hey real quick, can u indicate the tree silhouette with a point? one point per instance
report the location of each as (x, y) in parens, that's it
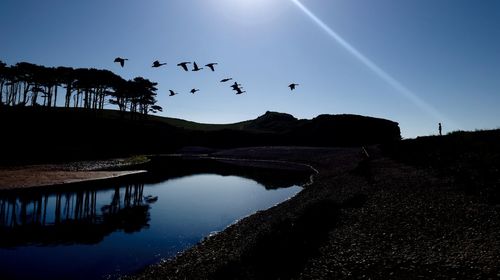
(67, 78)
(3, 80)
(24, 83)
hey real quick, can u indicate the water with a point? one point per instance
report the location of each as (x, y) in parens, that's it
(118, 227)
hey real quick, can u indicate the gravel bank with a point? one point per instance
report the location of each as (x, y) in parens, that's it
(360, 219)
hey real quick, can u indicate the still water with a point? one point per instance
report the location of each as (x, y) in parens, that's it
(101, 232)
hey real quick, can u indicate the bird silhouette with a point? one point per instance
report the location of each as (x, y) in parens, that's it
(184, 65)
(195, 67)
(292, 86)
(239, 91)
(157, 64)
(211, 66)
(235, 85)
(194, 90)
(226, 80)
(172, 93)
(120, 60)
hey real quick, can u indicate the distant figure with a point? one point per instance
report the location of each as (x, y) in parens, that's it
(195, 67)
(157, 64)
(226, 80)
(440, 128)
(184, 65)
(292, 86)
(211, 66)
(194, 90)
(120, 60)
(172, 93)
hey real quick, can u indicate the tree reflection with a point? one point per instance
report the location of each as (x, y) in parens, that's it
(70, 217)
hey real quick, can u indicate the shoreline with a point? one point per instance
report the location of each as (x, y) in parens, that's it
(57, 175)
(24, 179)
(376, 218)
(359, 218)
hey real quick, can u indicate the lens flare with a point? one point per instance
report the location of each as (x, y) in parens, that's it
(407, 93)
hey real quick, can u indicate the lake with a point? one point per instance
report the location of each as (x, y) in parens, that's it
(107, 229)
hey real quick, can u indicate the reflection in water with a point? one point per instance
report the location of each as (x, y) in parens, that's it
(70, 217)
(115, 227)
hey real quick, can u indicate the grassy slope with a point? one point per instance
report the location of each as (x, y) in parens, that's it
(471, 158)
(49, 133)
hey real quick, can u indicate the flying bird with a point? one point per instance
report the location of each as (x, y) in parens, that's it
(195, 67)
(292, 86)
(172, 93)
(184, 65)
(226, 80)
(239, 91)
(120, 60)
(235, 85)
(194, 90)
(157, 64)
(211, 66)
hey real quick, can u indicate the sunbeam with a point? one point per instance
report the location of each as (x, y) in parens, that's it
(374, 67)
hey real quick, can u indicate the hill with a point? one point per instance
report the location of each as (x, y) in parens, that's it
(61, 133)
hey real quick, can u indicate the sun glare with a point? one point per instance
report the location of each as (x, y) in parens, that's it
(248, 7)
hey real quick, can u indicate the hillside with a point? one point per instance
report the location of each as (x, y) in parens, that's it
(61, 133)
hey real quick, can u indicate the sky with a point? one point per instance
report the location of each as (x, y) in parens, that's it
(416, 62)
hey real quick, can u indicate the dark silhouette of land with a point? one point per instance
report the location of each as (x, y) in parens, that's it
(39, 133)
(424, 208)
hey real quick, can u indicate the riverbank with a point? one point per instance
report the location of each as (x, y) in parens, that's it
(42, 175)
(376, 219)
(361, 218)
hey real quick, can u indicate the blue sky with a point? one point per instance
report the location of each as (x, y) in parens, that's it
(446, 53)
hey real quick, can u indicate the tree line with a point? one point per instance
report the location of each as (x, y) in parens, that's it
(27, 84)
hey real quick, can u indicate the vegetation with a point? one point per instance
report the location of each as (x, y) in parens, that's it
(472, 159)
(27, 84)
(40, 133)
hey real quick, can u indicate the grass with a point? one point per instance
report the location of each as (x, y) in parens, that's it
(471, 159)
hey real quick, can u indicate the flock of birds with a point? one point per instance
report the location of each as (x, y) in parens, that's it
(184, 65)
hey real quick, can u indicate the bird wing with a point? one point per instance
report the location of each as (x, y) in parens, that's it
(183, 65)
(122, 62)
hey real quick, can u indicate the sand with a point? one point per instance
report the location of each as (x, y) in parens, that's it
(42, 175)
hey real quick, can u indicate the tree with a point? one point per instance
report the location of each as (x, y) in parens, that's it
(88, 87)
(67, 79)
(3, 79)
